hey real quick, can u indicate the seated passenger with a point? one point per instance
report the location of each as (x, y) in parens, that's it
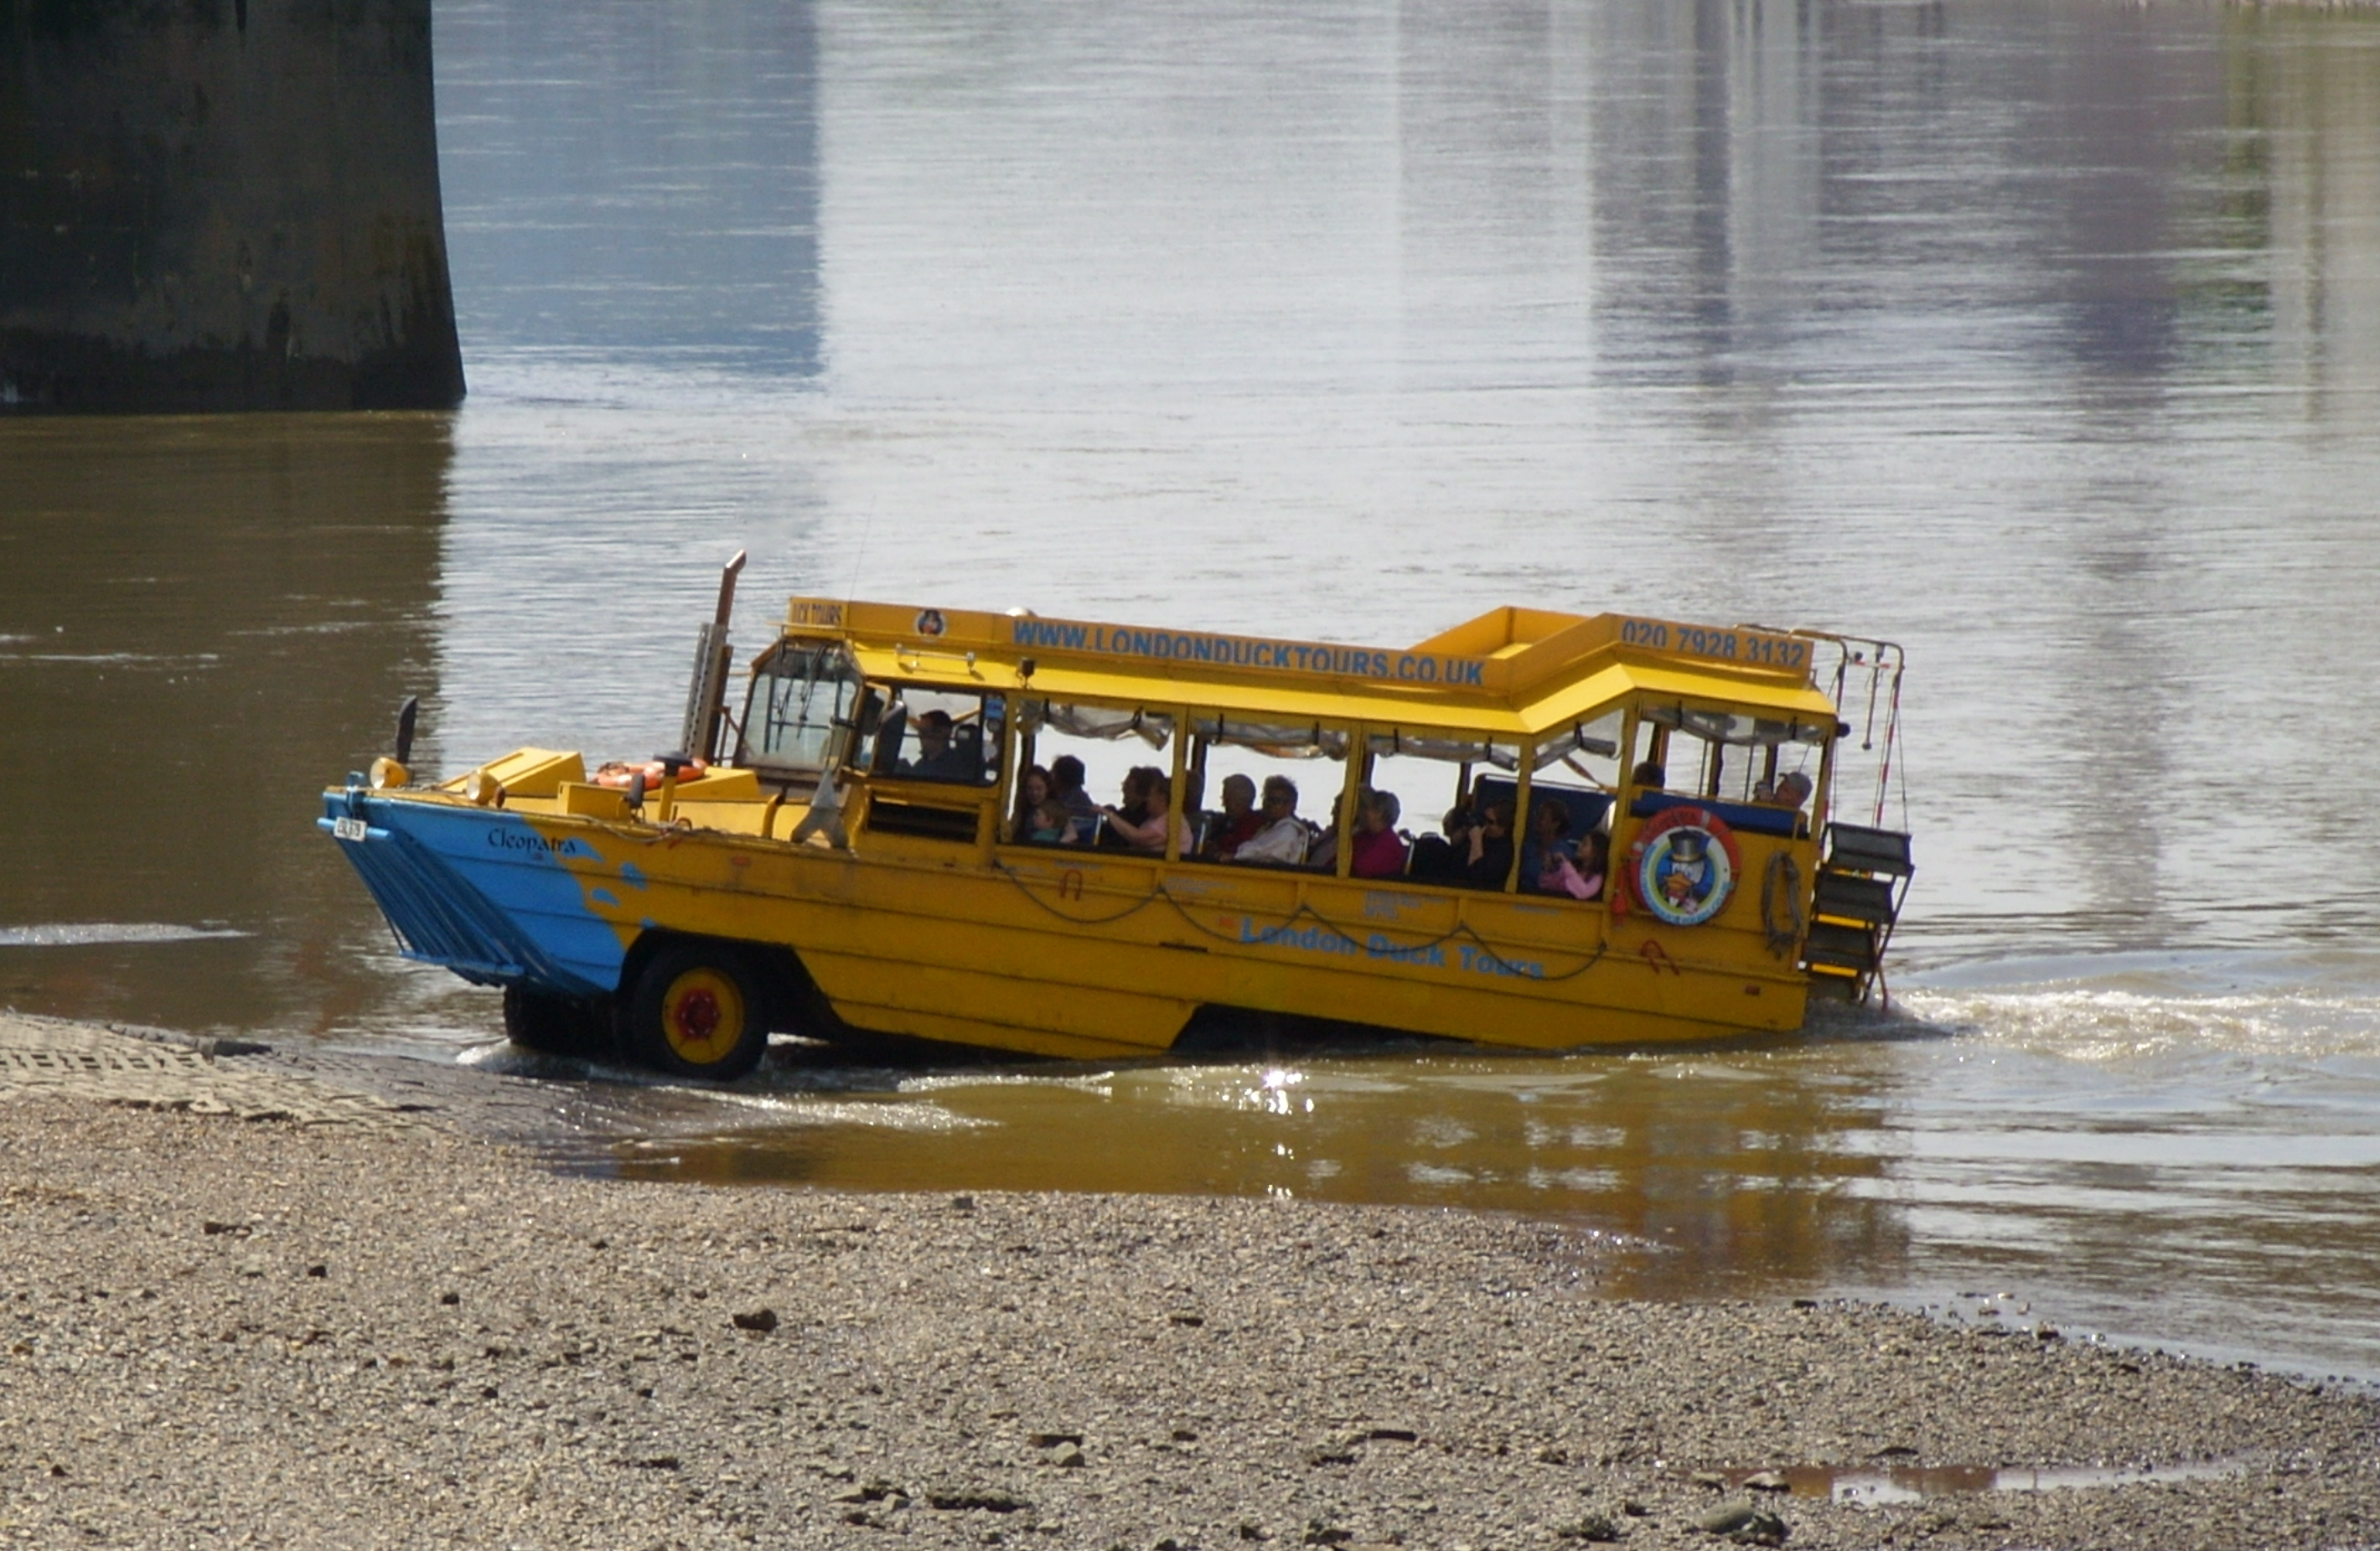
(1139, 782)
(1135, 809)
(1155, 793)
(1444, 856)
(936, 759)
(1379, 850)
(1793, 789)
(1081, 825)
(1040, 816)
(1322, 847)
(1548, 850)
(1147, 787)
(1550, 865)
(1282, 840)
(1489, 859)
(1594, 865)
(1237, 823)
(1649, 776)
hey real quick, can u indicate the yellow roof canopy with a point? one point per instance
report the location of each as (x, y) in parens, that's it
(1511, 672)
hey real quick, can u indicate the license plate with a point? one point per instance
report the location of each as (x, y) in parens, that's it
(348, 829)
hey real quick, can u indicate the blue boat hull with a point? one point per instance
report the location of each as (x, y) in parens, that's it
(481, 892)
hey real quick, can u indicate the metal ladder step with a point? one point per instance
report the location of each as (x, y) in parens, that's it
(1850, 848)
(1847, 896)
(1832, 945)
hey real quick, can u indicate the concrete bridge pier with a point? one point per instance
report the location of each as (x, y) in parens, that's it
(220, 204)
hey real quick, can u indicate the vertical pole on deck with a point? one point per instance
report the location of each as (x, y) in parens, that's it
(1521, 784)
(1177, 791)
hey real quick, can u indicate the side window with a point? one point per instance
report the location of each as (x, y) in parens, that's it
(801, 694)
(1450, 799)
(1075, 762)
(920, 733)
(1268, 794)
(1735, 757)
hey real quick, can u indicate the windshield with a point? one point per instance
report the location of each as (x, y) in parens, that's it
(802, 692)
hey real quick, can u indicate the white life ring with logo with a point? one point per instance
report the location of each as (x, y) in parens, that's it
(1684, 863)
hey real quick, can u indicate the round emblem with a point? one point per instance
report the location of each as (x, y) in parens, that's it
(1686, 864)
(930, 622)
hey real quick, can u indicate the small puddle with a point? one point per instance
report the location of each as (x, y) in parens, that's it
(1908, 1484)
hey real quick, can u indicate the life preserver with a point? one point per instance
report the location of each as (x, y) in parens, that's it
(624, 775)
(1684, 863)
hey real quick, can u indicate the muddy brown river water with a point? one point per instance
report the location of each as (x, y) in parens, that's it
(2045, 340)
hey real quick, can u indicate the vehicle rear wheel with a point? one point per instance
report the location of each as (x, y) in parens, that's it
(557, 1024)
(698, 1013)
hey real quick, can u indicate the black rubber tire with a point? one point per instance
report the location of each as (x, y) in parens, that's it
(698, 1012)
(558, 1025)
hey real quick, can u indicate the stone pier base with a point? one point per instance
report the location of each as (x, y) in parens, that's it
(220, 204)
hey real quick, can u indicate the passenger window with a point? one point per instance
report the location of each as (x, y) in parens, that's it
(1076, 760)
(801, 694)
(1587, 750)
(920, 733)
(1268, 794)
(1447, 787)
(1734, 757)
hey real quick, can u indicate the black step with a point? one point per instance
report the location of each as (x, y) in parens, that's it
(1859, 850)
(1855, 897)
(1840, 947)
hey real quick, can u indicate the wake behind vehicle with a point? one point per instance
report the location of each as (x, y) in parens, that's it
(1638, 850)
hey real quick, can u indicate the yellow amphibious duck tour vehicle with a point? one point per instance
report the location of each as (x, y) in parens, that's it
(886, 837)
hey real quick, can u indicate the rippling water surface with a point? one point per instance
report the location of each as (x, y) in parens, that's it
(2045, 340)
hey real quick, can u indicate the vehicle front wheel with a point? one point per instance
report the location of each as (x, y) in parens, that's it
(698, 1013)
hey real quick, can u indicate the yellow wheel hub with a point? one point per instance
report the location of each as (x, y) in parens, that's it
(703, 1017)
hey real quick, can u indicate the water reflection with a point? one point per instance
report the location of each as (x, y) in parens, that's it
(2182, 1151)
(206, 619)
(1719, 1171)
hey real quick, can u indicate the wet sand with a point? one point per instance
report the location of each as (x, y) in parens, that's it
(318, 1316)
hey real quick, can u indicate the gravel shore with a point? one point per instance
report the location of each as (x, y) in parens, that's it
(219, 1329)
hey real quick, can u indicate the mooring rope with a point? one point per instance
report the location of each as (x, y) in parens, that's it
(1782, 880)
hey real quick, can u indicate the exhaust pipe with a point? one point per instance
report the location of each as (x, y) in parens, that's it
(706, 697)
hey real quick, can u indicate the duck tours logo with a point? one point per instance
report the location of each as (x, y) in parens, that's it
(1686, 865)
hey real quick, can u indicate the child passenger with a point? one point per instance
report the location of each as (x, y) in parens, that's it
(1040, 816)
(1548, 848)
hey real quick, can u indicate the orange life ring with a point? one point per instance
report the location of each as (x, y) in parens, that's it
(1684, 863)
(624, 775)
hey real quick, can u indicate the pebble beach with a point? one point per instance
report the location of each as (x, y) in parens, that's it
(244, 1306)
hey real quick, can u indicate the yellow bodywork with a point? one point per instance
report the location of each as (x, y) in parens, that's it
(1081, 953)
